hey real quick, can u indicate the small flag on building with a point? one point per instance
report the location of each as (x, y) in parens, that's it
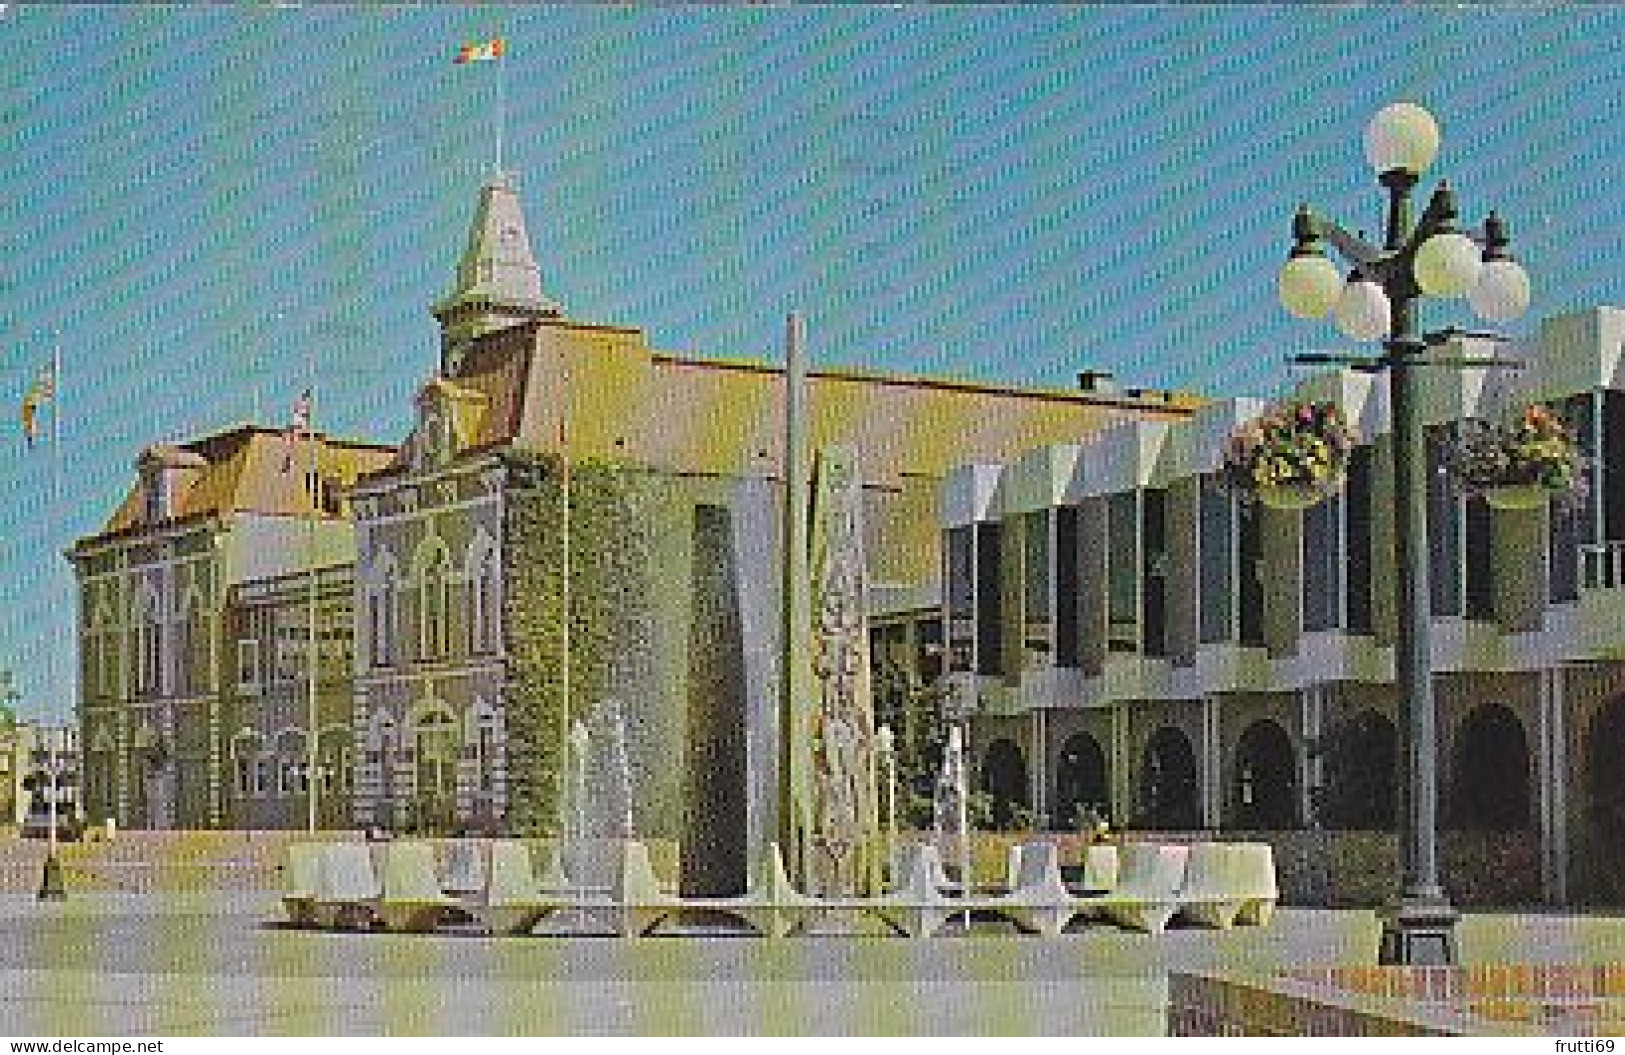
(297, 427)
(489, 51)
(42, 391)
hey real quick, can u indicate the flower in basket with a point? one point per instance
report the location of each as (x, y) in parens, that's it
(1519, 465)
(1291, 456)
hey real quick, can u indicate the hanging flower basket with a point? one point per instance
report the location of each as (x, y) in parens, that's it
(1516, 496)
(1291, 457)
(1293, 497)
(1522, 465)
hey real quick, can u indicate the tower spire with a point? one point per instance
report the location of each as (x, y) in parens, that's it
(498, 283)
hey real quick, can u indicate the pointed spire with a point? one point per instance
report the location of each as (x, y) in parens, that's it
(498, 283)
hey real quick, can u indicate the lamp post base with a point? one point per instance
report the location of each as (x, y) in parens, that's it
(51, 887)
(1418, 932)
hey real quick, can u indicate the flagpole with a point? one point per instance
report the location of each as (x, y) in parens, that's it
(564, 536)
(312, 658)
(502, 107)
(52, 888)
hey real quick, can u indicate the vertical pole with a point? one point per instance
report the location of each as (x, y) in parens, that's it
(502, 107)
(1420, 928)
(565, 729)
(797, 606)
(51, 887)
(48, 735)
(312, 658)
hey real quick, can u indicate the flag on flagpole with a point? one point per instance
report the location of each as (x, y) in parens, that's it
(297, 427)
(489, 51)
(42, 391)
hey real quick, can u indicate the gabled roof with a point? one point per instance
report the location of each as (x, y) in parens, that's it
(247, 470)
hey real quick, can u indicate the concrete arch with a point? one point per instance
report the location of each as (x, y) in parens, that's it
(1082, 778)
(1169, 795)
(1605, 777)
(1004, 780)
(1263, 792)
(1491, 772)
(1361, 760)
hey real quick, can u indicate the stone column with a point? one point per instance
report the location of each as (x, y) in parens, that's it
(1551, 768)
(1038, 772)
(1312, 763)
(1122, 797)
(1212, 764)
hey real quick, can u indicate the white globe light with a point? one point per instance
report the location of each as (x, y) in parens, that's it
(1446, 265)
(1309, 286)
(1402, 136)
(1502, 291)
(1363, 311)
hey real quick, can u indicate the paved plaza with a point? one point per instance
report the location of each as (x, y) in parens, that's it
(107, 963)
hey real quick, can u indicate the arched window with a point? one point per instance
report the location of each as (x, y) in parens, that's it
(291, 760)
(482, 747)
(246, 746)
(147, 620)
(433, 578)
(1264, 779)
(483, 571)
(382, 610)
(192, 648)
(381, 754)
(435, 750)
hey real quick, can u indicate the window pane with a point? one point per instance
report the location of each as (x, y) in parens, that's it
(1217, 543)
(960, 576)
(1123, 572)
(1357, 528)
(989, 600)
(1066, 586)
(1322, 565)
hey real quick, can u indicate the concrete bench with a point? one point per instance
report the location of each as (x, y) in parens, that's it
(347, 887)
(300, 880)
(411, 898)
(1147, 892)
(512, 901)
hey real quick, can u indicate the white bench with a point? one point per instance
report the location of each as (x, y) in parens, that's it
(301, 869)
(411, 898)
(1146, 896)
(347, 888)
(512, 901)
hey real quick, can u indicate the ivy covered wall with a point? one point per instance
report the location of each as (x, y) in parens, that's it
(628, 609)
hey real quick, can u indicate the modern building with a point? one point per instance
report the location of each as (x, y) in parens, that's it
(1122, 630)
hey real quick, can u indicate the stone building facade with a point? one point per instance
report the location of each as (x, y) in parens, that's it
(156, 663)
(453, 545)
(528, 405)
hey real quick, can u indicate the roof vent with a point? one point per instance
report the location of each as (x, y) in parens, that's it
(1099, 381)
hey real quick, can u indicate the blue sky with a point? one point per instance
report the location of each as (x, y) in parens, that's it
(202, 199)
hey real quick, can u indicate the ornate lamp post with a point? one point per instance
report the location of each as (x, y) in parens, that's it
(1377, 302)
